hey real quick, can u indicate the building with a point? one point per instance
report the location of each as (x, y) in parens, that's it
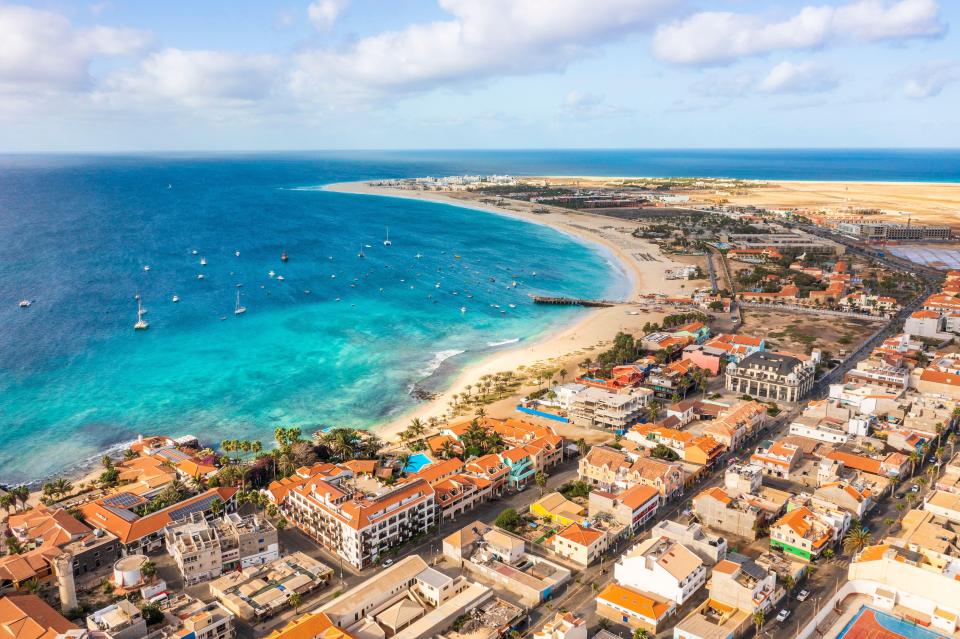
(787, 241)
(633, 607)
(801, 532)
(773, 376)
(632, 507)
(188, 618)
(777, 458)
(728, 513)
(923, 585)
(663, 567)
(118, 514)
(30, 617)
(564, 625)
(856, 500)
(203, 550)
(943, 504)
(580, 544)
(611, 469)
(877, 231)
(356, 524)
(593, 407)
(708, 547)
(740, 582)
(312, 625)
(120, 620)
(713, 620)
(733, 346)
(557, 509)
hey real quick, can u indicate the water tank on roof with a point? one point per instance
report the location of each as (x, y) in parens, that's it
(128, 571)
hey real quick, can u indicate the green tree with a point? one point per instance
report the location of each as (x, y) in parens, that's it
(758, 619)
(148, 569)
(294, 601)
(856, 540)
(508, 520)
(582, 446)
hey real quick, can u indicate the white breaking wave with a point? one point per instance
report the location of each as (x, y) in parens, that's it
(318, 187)
(438, 359)
(503, 343)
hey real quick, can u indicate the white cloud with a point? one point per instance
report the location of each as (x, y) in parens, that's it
(483, 38)
(797, 78)
(590, 106)
(710, 38)
(324, 13)
(930, 80)
(42, 50)
(196, 79)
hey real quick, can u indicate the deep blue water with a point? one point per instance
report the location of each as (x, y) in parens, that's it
(76, 231)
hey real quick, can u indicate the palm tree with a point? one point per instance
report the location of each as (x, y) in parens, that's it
(758, 619)
(582, 446)
(789, 582)
(653, 410)
(61, 487)
(856, 540)
(540, 479)
(216, 506)
(447, 451)
(295, 602)
(256, 447)
(23, 494)
(7, 500)
(641, 633)
(914, 460)
(148, 569)
(416, 427)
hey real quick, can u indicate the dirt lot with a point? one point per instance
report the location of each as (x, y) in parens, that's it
(801, 333)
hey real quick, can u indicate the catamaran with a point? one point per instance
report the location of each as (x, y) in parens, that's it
(360, 254)
(141, 324)
(239, 310)
(203, 261)
(387, 241)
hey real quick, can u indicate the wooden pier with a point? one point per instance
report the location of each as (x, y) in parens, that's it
(571, 301)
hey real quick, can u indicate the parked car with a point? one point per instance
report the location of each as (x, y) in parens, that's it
(915, 488)
(387, 563)
(783, 614)
(803, 595)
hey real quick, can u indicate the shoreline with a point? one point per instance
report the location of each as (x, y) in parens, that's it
(558, 348)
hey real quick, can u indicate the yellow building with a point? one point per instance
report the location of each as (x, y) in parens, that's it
(558, 509)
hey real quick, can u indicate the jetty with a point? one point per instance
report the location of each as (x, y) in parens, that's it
(572, 301)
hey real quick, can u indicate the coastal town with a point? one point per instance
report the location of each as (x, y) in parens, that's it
(759, 440)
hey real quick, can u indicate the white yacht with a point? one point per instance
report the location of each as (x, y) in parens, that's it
(25, 303)
(141, 324)
(387, 241)
(175, 299)
(239, 310)
(203, 261)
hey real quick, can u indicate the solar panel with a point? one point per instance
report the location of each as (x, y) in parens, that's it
(123, 500)
(123, 513)
(172, 454)
(188, 509)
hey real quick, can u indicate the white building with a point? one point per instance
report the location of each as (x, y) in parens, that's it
(663, 567)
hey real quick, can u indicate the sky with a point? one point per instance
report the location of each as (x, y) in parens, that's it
(128, 75)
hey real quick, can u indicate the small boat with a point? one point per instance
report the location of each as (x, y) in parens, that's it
(513, 285)
(141, 324)
(360, 254)
(418, 255)
(169, 186)
(271, 273)
(279, 278)
(284, 257)
(534, 274)
(367, 246)
(200, 276)
(333, 277)
(193, 252)
(175, 299)
(463, 309)
(456, 257)
(387, 241)
(512, 305)
(437, 285)
(146, 267)
(25, 303)
(237, 253)
(239, 310)
(203, 261)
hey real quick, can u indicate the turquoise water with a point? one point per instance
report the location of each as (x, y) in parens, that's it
(416, 463)
(76, 232)
(341, 340)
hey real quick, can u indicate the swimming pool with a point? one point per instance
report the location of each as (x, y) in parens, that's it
(869, 623)
(416, 462)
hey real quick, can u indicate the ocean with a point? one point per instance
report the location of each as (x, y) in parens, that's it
(340, 340)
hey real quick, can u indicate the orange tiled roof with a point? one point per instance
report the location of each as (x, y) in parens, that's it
(581, 535)
(856, 462)
(30, 617)
(638, 495)
(634, 601)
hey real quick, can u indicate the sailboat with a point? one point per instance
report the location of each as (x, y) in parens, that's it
(203, 261)
(239, 310)
(141, 324)
(360, 254)
(387, 241)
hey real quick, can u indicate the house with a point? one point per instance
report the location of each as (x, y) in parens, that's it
(663, 567)
(736, 423)
(311, 625)
(722, 511)
(203, 550)
(740, 582)
(855, 500)
(697, 355)
(260, 592)
(30, 617)
(893, 465)
(801, 532)
(777, 458)
(491, 468)
(769, 375)
(703, 451)
(580, 544)
(943, 504)
(521, 466)
(564, 625)
(632, 507)
(117, 514)
(558, 509)
(709, 547)
(733, 347)
(633, 607)
(697, 331)
(611, 469)
(593, 407)
(461, 492)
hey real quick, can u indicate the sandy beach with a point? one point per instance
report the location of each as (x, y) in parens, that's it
(566, 348)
